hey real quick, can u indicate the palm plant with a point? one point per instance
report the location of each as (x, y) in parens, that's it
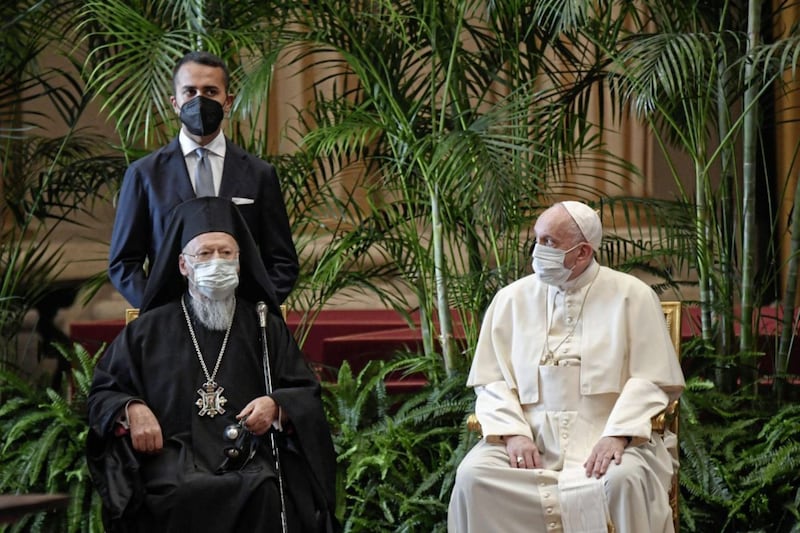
(436, 132)
(51, 167)
(461, 141)
(454, 125)
(685, 107)
(457, 143)
(697, 73)
(690, 71)
(133, 46)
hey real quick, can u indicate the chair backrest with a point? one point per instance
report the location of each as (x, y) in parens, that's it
(672, 314)
(669, 418)
(131, 314)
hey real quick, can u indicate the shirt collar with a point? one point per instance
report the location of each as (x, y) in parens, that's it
(216, 146)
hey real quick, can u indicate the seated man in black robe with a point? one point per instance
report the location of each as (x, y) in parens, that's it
(181, 422)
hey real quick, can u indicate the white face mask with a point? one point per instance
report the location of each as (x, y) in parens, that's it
(548, 263)
(216, 279)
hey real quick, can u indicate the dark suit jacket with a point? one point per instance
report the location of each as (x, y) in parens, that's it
(155, 184)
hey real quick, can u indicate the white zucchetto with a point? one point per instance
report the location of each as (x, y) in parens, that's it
(588, 220)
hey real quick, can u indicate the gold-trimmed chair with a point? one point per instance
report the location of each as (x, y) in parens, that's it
(666, 420)
(131, 314)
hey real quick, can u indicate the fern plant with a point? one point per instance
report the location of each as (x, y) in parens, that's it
(740, 462)
(42, 448)
(397, 453)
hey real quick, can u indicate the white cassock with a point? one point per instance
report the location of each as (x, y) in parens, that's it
(566, 366)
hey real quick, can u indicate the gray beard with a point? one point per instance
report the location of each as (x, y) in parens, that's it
(214, 314)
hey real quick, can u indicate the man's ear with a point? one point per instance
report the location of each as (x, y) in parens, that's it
(228, 104)
(182, 266)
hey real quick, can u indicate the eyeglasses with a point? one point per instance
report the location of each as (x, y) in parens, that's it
(207, 255)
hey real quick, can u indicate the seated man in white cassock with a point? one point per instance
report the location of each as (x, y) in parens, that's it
(571, 364)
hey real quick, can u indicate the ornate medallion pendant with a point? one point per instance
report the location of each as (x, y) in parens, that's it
(211, 400)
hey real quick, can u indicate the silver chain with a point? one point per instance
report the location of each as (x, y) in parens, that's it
(209, 378)
(549, 354)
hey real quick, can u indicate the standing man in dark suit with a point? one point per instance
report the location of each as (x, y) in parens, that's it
(182, 170)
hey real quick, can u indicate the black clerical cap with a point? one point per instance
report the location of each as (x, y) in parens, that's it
(190, 219)
(199, 215)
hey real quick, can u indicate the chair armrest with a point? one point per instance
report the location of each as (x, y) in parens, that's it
(473, 425)
(666, 419)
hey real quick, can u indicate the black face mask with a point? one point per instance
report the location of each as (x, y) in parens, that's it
(202, 116)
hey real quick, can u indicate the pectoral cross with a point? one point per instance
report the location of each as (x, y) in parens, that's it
(211, 400)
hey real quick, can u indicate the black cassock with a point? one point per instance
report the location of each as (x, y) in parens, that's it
(189, 486)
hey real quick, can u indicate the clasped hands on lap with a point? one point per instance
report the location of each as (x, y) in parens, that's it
(146, 435)
(523, 453)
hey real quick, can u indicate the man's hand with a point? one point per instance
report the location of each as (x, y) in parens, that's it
(606, 450)
(145, 429)
(260, 413)
(522, 452)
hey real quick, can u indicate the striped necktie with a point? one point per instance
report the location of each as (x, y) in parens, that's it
(203, 180)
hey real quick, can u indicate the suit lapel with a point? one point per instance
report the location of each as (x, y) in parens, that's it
(175, 165)
(233, 170)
